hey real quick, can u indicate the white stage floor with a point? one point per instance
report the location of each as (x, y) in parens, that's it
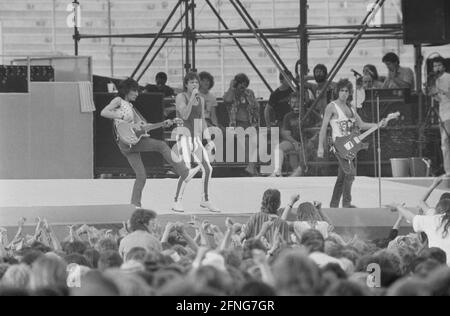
(107, 201)
(231, 195)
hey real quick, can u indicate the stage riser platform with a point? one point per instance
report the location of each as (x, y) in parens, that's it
(366, 223)
(105, 201)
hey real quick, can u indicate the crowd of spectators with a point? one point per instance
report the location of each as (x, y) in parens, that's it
(290, 250)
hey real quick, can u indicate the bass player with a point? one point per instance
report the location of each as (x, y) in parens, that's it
(343, 120)
(121, 110)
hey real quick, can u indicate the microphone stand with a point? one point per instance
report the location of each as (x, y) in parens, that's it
(379, 150)
(356, 109)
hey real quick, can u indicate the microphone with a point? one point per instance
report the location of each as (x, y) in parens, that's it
(357, 74)
(196, 94)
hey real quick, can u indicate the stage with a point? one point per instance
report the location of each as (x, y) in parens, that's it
(105, 201)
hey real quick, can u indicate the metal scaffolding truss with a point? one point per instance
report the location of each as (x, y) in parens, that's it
(303, 31)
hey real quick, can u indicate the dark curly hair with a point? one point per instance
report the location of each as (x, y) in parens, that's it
(391, 58)
(440, 59)
(271, 201)
(321, 67)
(140, 219)
(126, 86)
(190, 76)
(443, 207)
(344, 83)
(241, 78)
(374, 71)
(204, 75)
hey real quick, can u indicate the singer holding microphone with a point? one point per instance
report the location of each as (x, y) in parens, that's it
(190, 107)
(371, 79)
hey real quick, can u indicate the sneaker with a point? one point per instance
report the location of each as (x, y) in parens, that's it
(178, 207)
(349, 206)
(192, 173)
(209, 206)
(297, 172)
(275, 174)
(252, 171)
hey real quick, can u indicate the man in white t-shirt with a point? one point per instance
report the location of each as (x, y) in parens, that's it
(441, 93)
(431, 226)
(434, 226)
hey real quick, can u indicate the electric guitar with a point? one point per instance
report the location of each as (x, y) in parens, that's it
(347, 147)
(132, 133)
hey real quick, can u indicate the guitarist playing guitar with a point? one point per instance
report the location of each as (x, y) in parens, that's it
(343, 120)
(132, 138)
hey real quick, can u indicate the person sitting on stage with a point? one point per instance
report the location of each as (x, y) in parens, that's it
(398, 77)
(435, 226)
(441, 93)
(160, 87)
(190, 107)
(343, 120)
(279, 103)
(243, 109)
(120, 109)
(206, 84)
(320, 72)
(291, 136)
(371, 72)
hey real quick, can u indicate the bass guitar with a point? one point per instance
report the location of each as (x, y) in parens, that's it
(132, 133)
(347, 147)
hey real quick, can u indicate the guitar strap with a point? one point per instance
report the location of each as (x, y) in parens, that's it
(139, 115)
(136, 114)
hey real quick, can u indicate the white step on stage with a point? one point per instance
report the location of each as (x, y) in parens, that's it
(106, 200)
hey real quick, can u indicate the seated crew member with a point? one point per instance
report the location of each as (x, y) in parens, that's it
(244, 112)
(320, 72)
(398, 77)
(206, 84)
(278, 105)
(291, 137)
(160, 87)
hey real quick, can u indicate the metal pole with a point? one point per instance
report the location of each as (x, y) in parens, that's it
(111, 60)
(261, 35)
(418, 65)
(379, 152)
(187, 30)
(303, 69)
(240, 46)
(193, 36)
(156, 38)
(162, 45)
(111, 51)
(266, 49)
(342, 60)
(303, 32)
(76, 33)
(54, 26)
(365, 21)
